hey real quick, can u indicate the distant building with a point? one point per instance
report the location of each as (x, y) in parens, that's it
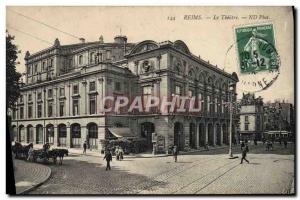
(251, 115)
(279, 116)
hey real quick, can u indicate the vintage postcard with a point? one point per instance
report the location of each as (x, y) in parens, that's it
(157, 100)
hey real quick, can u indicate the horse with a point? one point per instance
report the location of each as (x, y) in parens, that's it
(21, 151)
(60, 153)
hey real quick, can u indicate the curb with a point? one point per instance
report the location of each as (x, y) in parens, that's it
(38, 184)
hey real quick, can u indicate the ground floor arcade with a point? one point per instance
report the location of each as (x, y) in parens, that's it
(185, 132)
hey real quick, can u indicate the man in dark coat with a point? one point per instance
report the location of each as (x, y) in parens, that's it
(175, 153)
(244, 154)
(108, 158)
(285, 143)
(84, 147)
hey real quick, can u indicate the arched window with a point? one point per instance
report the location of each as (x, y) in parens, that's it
(50, 133)
(76, 136)
(39, 134)
(62, 135)
(92, 135)
(30, 133)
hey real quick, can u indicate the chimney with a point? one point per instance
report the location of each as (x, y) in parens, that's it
(82, 40)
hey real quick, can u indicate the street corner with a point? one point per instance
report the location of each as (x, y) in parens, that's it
(29, 176)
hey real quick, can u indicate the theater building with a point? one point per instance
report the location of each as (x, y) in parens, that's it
(64, 87)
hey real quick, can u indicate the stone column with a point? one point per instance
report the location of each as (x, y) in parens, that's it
(101, 136)
(34, 135)
(186, 134)
(197, 136)
(26, 134)
(84, 132)
(55, 138)
(68, 138)
(221, 139)
(206, 134)
(214, 135)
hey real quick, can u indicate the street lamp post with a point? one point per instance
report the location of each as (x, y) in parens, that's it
(231, 88)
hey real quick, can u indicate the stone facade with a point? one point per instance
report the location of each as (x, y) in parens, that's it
(62, 97)
(251, 117)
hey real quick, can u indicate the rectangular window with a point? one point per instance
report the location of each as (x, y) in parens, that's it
(75, 107)
(51, 63)
(30, 111)
(80, 60)
(100, 57)
(29, 97)
(50, 113)
(108, 55)
(201, 102)
(92, 57)
(92, 105)
(147, 92)
(50, 93)
(21, 112)
(21, 99)
(39, 96)
(75, 89)
(35, 68)
(216, 105)
(208, 103)
(178, 90)
(39, 110)
(61, 92)
(246, 118)
(93, 86)
(246, 127)
(43, 66)
(223, 105)
(117, 86)
(61, 108)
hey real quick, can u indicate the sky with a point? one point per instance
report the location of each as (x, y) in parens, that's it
(210, 37)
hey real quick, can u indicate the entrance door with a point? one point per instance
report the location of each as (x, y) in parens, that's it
(179, 135)
(147, 128)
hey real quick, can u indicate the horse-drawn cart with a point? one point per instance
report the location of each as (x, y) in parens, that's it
(44, 154)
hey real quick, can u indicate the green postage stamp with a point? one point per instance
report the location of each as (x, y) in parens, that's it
(256, 49)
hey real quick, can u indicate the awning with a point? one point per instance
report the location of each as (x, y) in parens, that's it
(121, 132)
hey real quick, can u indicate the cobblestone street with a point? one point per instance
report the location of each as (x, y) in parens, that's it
(196, 173)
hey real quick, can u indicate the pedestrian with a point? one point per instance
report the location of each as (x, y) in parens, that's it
(242, 146)
(175, 153)
(117, 153)
(244, 154)
(285, 143)
(30, 154)
(255, 142)
(121, 153)
(207, 147)
(267, 145)
(271, 145)
(84, 147)
(108, 158)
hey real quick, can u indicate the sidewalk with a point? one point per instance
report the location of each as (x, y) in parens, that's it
(96, 153)
(29, 175)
